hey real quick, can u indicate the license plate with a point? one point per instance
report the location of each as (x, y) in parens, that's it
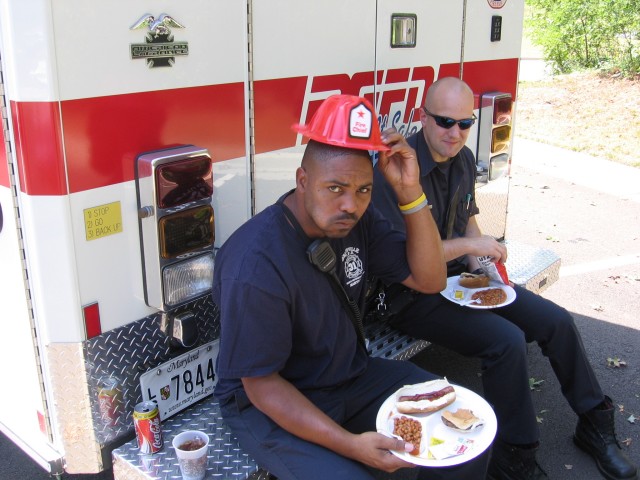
(181, 381)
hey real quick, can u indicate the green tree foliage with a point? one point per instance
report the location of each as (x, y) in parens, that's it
(578, 34)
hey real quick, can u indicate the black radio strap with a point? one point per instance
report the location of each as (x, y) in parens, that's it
(348, 304)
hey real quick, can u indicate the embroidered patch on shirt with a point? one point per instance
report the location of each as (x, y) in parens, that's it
(352, 266)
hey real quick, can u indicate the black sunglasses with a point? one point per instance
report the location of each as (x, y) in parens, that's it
(447, 122)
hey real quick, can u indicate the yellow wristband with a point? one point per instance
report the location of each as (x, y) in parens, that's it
(415, 203)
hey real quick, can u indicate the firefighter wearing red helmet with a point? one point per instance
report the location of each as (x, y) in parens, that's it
(296, 384)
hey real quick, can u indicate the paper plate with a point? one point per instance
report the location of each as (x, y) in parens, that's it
(433, 430)
(460, 295)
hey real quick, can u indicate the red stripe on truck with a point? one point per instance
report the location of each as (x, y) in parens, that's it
(280, 103)
(492, 76)
(103, 135)
(38, 143)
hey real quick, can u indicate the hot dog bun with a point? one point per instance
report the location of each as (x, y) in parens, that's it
(471, 280)
(425, 397)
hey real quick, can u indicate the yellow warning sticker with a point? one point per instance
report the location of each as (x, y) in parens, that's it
(102, 221)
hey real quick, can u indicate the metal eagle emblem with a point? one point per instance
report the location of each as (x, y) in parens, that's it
(159, 50)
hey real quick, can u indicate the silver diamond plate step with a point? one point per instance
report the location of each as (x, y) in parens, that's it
(226, 458)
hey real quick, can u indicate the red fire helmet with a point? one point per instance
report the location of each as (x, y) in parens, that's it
(344, 121)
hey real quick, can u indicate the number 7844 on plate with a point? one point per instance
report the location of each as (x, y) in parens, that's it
(182, 381)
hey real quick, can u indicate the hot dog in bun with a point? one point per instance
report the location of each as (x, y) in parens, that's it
(425, 397)
(472, 280)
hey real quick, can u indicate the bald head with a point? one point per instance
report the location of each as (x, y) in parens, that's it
(446, 89)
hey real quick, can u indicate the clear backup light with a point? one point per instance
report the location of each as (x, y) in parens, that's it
(499, 166)
(188, 279)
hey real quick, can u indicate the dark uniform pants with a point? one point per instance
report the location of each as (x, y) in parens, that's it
(355, 406)
(499, 338)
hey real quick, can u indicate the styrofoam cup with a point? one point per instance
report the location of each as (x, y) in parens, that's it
(193, 463)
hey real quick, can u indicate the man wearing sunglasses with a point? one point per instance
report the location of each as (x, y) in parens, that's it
(498, 336)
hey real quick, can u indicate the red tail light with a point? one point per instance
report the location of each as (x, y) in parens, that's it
(184, 181)
(91, 314)
(502, 111)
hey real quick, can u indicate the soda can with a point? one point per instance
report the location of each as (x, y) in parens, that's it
(109, 400)
(146, 421)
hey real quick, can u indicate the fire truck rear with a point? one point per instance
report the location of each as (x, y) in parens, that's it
(139, 135)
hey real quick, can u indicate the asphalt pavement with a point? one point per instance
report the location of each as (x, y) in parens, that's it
(588, 211)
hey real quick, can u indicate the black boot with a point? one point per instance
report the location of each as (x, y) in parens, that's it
(512, 462)
(595, 434)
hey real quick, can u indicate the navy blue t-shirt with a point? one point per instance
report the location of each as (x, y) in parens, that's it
(278, 313)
